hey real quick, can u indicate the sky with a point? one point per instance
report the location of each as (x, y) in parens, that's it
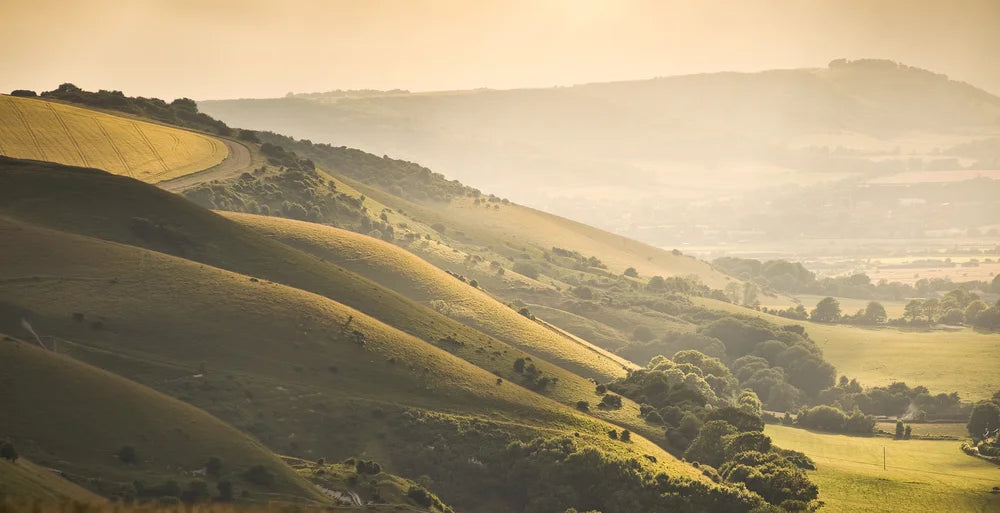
(213, 49)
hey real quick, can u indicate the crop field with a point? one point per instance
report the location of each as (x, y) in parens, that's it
(41, 130)
(952, 429)
(919, 475)
(962, 361)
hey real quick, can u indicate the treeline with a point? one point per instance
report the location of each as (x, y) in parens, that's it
(957, 307)
(794, 278)
(180, 112)
(398, 177)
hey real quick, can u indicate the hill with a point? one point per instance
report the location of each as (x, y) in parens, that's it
(277, 361)
(38, 129)
(24, 478)
(89, 415)
(650, 158)
(920, 475)
(50, 195)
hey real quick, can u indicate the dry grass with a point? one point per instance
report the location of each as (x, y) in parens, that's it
(41, 130)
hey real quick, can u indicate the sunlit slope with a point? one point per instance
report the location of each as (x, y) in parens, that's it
(68, 415)
(163, 319)
(37, 129)
(517, 226)
(52, 195)
(415, 278)
(961, 361)
(919, 476)
(23, 478)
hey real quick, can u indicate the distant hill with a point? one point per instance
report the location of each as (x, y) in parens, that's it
(617, 155)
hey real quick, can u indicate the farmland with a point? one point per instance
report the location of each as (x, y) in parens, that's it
(42, 130)
(920, 475)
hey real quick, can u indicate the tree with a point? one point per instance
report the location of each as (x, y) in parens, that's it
(127, 454)
(931, 309)
(985, 417)
(913, 310)
(907, 433)
(213, 466)
(974, 309)
(875, 313)
(709, 446)
(631, 272)
(519, 365)
(8, 452)
(900, 429)
(827, 310)
(626, 436)
(225, 490)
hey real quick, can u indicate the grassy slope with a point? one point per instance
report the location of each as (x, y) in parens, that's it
(399, 270)
(37, 129)
(943, 361)
(921, 476)
(52, 195)
(69, 415)
(516, 226)
(24, 478)
(181, 316)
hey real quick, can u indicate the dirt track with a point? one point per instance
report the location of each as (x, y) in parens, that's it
(237, 162)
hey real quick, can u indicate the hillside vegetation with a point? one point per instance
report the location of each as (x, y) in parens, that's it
(38, 129)
(963, 360)
(24, 478)
(920, 475)
(171, 440)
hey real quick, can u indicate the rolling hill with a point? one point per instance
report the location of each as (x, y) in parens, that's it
(24, 478)
(37, 129)
(277, 361)
(49, 195)
(90, 414)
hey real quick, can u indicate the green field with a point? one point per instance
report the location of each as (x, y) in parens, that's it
(42, 130)
(962, 361)
(920, 475)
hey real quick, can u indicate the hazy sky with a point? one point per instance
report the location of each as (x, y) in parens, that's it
(250, 48)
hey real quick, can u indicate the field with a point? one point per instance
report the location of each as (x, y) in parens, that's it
(41, 130)
(920, 476)
(962, 361)
(952, 429)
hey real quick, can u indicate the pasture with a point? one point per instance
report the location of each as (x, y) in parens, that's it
(42, 130)
(919, 475)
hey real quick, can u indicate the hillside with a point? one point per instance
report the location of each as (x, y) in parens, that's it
(702, 159)
(171, 439)
(49, 195)
(24, 478)
(342, 382)
(37, 129)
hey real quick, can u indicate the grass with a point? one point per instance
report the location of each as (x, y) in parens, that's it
(962, 361)
(24, 478)
(265, 352)
(171, 438)
(952, 429)
(920, 476)
(41, 130)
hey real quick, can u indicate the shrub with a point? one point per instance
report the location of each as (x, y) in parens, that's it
(259, 475)
(213, 466)
(420, 496)
(626, 436)
(611, 402)
(367, 467)
(225, 490)
(583, 405)
(631, 272)
(8, 452)
(127, 454)
(24, 93)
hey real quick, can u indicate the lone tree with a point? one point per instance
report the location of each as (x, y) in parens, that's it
(899, 429)
(875, 313)
(827, 310)
(8, 452)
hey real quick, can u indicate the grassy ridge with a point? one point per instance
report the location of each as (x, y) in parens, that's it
(944, 361)
(49, 131)
(51, 194)
(271, 343)
(24, 478)
(89, 414)
(413, 277)
(920, 476)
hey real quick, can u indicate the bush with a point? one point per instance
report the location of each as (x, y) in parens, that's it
(259, 475)
(631, 272)
(8, 452)
(24, 93)
(583, 405)
(367, 467)
(611, 402)
(225, 490)
(420, 496)
(127, 454)
(213, 466)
